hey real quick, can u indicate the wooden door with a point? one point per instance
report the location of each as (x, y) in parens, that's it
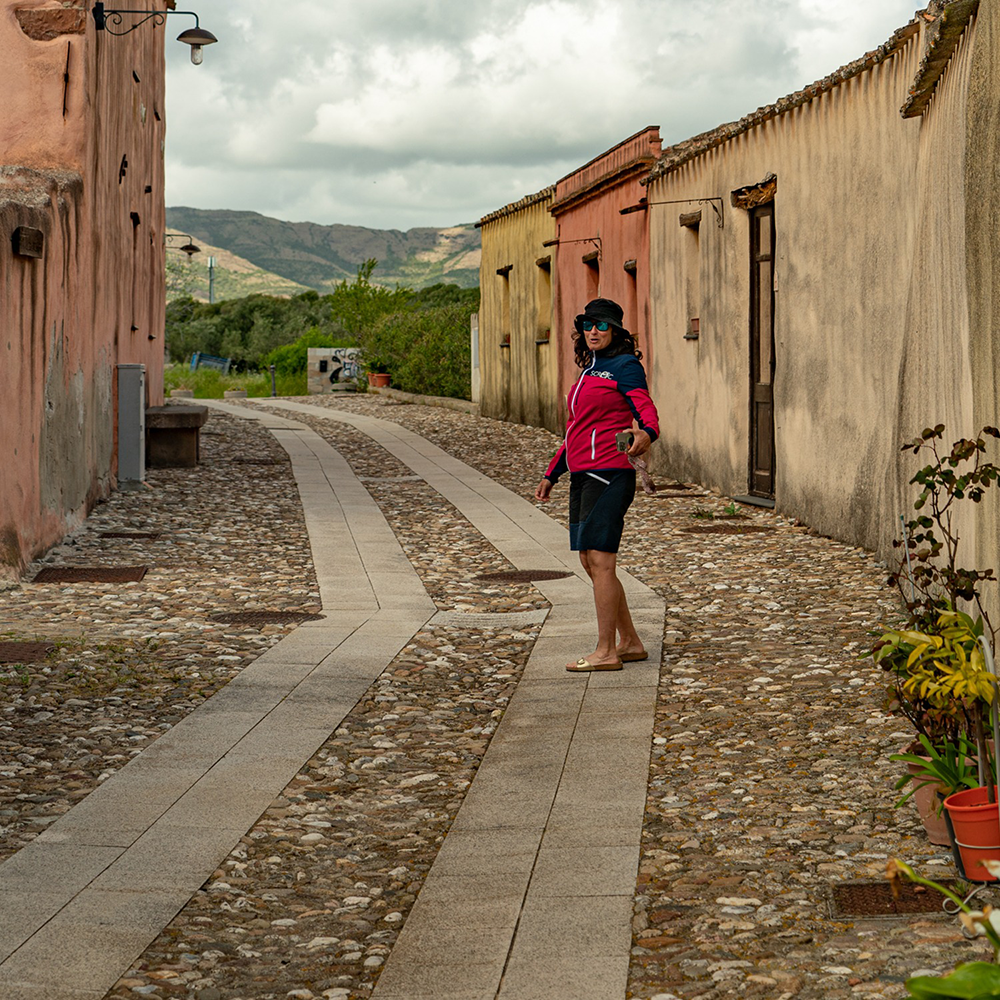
(762, 361)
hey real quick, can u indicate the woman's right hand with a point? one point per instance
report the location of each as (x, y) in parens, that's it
(543, 491)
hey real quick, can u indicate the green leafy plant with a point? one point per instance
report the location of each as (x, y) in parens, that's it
(427, 351)
(970, 980)
(951, 766)
(936, 674)
(703, 513)
(941, 683)
(731, 510)
(929, 575)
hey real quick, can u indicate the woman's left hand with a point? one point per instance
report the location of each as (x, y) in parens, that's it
(640, 444)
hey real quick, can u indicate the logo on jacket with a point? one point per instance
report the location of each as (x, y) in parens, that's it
(600, 374)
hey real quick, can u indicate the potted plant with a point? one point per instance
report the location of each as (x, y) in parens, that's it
(376, 368)
(936, 773)
(940, 681)
(969, 980)
(936, 673)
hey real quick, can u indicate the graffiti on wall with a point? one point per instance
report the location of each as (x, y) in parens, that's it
(344, 363)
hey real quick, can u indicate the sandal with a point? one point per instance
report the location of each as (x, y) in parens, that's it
(583, 666)
(634, 657)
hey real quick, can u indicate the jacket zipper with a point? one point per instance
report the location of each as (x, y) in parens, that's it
(572, 402)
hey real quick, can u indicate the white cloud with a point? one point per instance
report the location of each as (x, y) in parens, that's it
(393, 113)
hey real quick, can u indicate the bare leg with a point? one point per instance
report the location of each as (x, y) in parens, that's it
(612, 609)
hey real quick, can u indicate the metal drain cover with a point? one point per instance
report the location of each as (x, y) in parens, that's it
(90, 574)
(726, 529)
(151, 535)
(25, 652)
(522, 575)
(264, 617)
(875, 899)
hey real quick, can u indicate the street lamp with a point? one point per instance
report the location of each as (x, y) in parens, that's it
(189, 248)
(107, 19)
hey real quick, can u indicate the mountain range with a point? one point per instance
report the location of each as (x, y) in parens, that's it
(259, 253)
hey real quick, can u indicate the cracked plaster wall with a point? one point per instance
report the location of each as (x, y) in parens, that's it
(83, 127)
(982, 258)
(871, 307)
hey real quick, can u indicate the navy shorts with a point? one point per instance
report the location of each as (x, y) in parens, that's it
(597, 504)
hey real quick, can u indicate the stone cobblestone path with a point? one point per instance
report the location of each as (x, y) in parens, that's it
(768, 774)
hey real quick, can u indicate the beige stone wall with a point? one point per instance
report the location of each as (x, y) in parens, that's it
(870, 305)
(518, 355)
(982, 260)
(83, 128)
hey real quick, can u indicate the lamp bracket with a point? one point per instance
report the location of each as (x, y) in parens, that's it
(104, 18)
(719, 209)
(596, 240)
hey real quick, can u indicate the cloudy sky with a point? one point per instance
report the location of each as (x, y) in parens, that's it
(401, 113)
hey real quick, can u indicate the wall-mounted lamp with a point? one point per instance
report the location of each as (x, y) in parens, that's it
(189, 248)
(197, 37)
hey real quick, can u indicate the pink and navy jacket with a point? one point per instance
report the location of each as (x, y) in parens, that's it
(605, 399)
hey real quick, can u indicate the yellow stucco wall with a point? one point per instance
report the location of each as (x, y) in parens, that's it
(871, 314)
(519, 382)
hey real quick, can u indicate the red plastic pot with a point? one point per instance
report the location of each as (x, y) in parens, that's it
(976, 823)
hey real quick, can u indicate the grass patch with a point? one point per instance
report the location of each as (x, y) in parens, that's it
(208, 383)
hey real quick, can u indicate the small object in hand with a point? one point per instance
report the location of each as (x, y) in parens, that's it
(623, 441)
(639, 464)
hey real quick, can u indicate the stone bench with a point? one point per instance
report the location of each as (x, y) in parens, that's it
(172, 437)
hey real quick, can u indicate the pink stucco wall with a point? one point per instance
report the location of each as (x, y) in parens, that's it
(81, 140)
(587, 204)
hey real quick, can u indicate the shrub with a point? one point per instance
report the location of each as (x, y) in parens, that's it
(426, 352)
(293, 359)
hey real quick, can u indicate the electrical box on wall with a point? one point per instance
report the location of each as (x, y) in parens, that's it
(131, 426)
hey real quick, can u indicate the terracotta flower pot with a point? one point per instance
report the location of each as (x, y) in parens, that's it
(378, 379)
(927, 802)
(976, 825)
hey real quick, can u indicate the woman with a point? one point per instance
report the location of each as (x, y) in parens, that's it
(609, 397)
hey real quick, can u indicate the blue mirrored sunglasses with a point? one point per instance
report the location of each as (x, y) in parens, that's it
(602, 326)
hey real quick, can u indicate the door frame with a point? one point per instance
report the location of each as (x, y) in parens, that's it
(757, 256)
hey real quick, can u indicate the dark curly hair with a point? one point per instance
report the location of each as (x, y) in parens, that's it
(622, 342)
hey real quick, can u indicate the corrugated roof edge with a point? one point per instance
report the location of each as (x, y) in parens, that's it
(516, 206)
(677, 155)
(941, 45)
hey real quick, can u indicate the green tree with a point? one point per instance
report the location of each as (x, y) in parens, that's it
(356, 305)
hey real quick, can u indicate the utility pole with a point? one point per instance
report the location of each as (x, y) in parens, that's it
(211, 279)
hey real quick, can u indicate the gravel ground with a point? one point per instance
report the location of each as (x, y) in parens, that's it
(132, 659)
(768, 781)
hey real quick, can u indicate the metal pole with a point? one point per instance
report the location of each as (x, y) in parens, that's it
(274, 391)
(211, 279)
(909, 567)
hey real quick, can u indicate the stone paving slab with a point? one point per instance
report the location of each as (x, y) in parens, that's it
(561, 772)
(525, 795)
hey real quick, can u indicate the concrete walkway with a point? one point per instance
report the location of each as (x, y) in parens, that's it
(557, 802)
(537, 877)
